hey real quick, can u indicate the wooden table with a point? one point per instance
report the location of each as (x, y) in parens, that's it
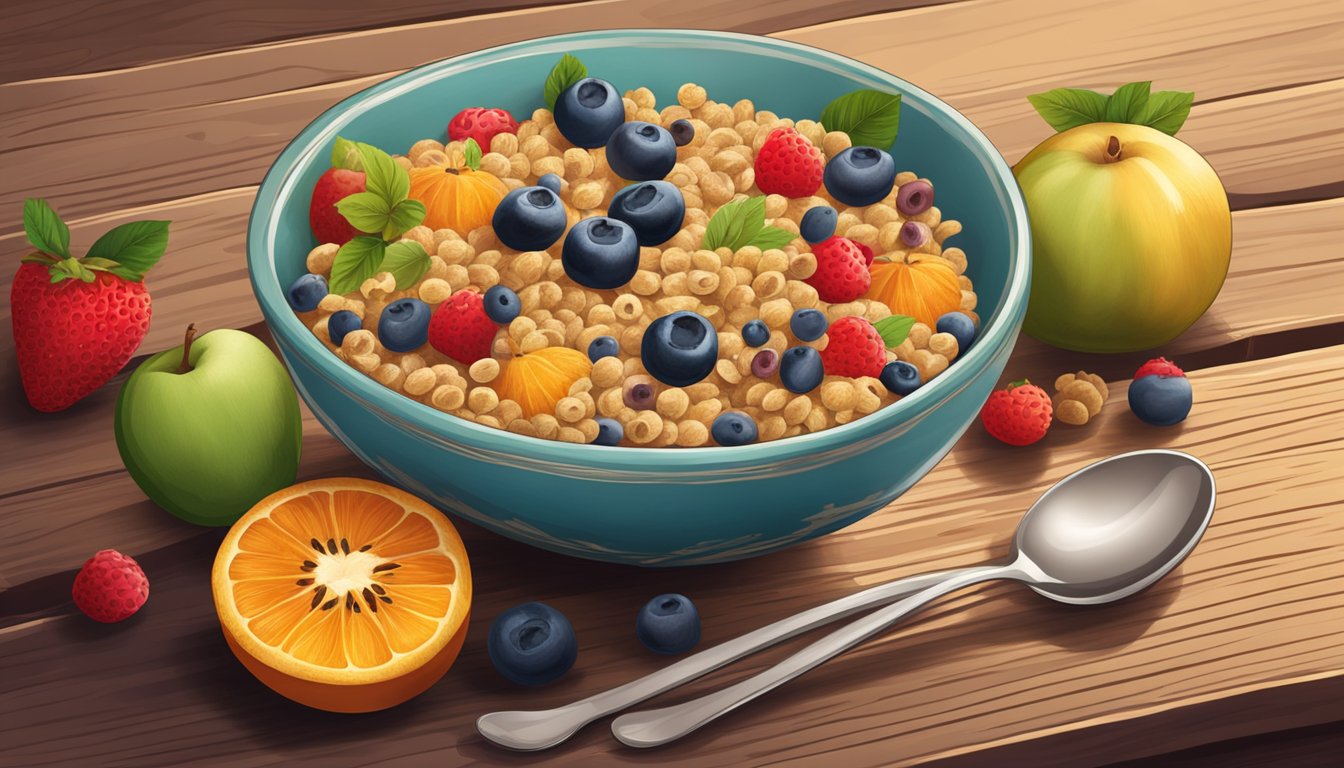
(159, 109)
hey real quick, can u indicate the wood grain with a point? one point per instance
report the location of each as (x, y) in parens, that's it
(1252, 618)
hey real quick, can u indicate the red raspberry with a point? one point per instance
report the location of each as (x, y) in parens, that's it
(787, 164)
(1159, 366)
(110, 587)
(1019, 414)
(480, 124)
(841, 274)
(460, 328)
(867, 253)
(854, 349)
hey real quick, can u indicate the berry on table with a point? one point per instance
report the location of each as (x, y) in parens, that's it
(307, 292)
(1160, 394)
(501, 304)
(733, 428)
(842, 273)
(765, 363)
(962, 328)
(550, 181)
(755, 333)
(682, 132)
(529, 219)
(801, 370)
(900, 378)
(668, 624)
(601, 252)
(807, 324)
(603, 346)
(818, 223)
(680, 349)
(654, 209)
(327, 223)
(532, 644)
(914, 198)
(341, 323)
(588, 112)
(854, 349)
(640, 151)
(787, 164)
(481, 124)
(461, 329)
(609, 432)
(404, 325)
(110, 587)
(860, 175)
(1019, 414)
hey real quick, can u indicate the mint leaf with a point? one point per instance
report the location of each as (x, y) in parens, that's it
(382, 176)
(365, 211)
(472, 151)
(894, 329)
(356, 261)
(1129, 103)
(871, 118)
(568, 71)
(345, 154)
(772, 237)
(735, 224)
(1065, 108)
(46, 232)
(406, 214)
(1167, 110)
(407, 261)
(135, 247)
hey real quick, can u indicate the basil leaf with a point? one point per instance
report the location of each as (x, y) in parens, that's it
(407, 261)
(871, 118)
(365, 211)
(135, 247)
(1065, 108)
(772, 237)
(472, 151)
(345, 154)
(46, 232)
(1167, 110)
(568, 71)
(406, 214)
(357, 261)
(382, 176)
(1129, 103)
(894, 329)
(735, 224)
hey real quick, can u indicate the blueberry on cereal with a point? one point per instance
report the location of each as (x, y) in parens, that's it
(341, 324)
(680, 349)
(529, 219)
(914, 198)
(755, 333)
(603, 346)
(501, 304)
(962, 328)
(818, 223)
(807, 324)
(601, 252)
(404, 325)
(609, 432)
(682, 132)
(800, 370)
(654, 209)
(550, 181)
(588, 111)
(860, 175)
(900, 377)
(307, 292)
(641, 151)
(733, 428)
(765, 363)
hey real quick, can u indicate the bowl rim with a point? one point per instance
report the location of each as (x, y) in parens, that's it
(291, 334)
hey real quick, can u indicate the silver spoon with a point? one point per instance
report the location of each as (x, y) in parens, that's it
(1099, 535)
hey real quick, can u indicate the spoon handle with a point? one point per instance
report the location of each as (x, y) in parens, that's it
(540, 729)
(654, 727)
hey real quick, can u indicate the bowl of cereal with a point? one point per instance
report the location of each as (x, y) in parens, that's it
(660, 297)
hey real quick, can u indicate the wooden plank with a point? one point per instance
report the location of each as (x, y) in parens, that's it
(95, 143)
(1250, 620)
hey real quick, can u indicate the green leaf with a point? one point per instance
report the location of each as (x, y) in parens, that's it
(1065, 108)
(871, 118)
(357, 261)
(135, 247)
(772, 237)
(345, 154)
(1129, 103)
(71, 268)
(407, 261)
(98, 263)
(1167, 110)
(735, 224)
(365, 211)
(46, 232)
(382, 176)
(568, 71)
(894, 329)
(472, 151)
(406, 214)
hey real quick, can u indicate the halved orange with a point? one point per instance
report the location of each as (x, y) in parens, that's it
(344, 594)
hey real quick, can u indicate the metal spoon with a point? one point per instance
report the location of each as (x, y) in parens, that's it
(1101, 534)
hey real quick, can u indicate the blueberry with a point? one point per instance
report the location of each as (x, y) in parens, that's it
(529, 219)
(800, 370)
(532, 644)
(501, 304)
(550, 181)
(404, 325)
(609, 432)
(765, 363)
(818, 223)
(961, 326)
(588, 111)
(807, 324)
(641, 151)
(601, 252)
(638, 393)
(603, 346)
(733, 428)
(680, 349)
(900, 377)
(915, 233)
(860, 175)
(755, 333)
(682, 132)
(914, 198)
(668, 624)
(1161, 400)
(654, 209)
(307, 292)
(341, 323)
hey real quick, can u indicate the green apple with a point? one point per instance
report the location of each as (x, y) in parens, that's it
(210, 428)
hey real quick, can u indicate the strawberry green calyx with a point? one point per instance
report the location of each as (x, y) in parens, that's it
(127, 251)
(1018, 383)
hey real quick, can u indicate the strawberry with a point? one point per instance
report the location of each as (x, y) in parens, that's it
(77, 322)
(854, 349)
(787, 164)
(1159, 366)
(329, 226)
(461, 329)
(1019, 414)
(841, 274)
(110, 587)
(867, 253)
(481, 124)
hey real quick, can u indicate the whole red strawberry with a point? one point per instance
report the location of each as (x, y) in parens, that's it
(787, 164)
(854, 349)
(329, 226)
(481, 124)
(842, 274)
(110, 587)
(77, 322)
(1159, 366)
(1019, 414)
(460, 328)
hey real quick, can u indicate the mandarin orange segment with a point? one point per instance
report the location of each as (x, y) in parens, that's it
(307, 518)
(365, 644)
(254, 596)
(361, 516)
(404, 629)
(413, 534)
(267, 538)
(272, 625)
(317, 639)
(425, 568)
(257, 565)
(431, 602)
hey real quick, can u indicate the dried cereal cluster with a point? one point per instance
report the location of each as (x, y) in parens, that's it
(1079, 396)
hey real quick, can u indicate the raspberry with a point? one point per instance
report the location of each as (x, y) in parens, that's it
(110, 587)
(787, 164)
(1159, 366)
(854, 349)
(461, 329)
(866, 251)
(481, 124)
(1019, 414)
(841, 274)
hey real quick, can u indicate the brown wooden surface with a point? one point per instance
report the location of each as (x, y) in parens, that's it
(1234, 660)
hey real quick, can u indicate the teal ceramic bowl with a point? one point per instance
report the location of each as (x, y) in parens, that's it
(651, 506)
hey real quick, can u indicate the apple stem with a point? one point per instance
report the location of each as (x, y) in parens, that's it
(185, 366)
(1112, 150)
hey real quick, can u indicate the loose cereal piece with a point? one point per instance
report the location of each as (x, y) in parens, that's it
(484, 371)
(1071, 412)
